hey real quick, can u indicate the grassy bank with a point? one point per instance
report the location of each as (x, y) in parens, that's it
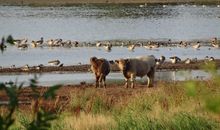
(170, 106)
(73, 2)
(187, 105)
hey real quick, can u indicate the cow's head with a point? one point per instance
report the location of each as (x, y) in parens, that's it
(123, 64)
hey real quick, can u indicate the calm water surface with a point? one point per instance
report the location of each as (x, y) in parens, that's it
(89, 22)
(48, 79)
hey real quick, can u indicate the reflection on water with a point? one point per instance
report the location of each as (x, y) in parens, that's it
(75, 78)
(89, 22)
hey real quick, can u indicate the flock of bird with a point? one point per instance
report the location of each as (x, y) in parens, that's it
(24, 44)
(164, 6)
(159, 61)
(175, 59)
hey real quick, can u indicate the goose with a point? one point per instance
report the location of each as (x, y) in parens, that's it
(25, 68)
(214, 40)
(131, 47)
(54, 62)
(61, 65)
(188, 61)
(20, 41)
(76, 44)
(141, 6)
(215, 45)
(208, 59)
(23, 46)
(147, 47)
(183, 44)
(12, 66)
(197, 46)
(175, 59)
(164, 6)
(36, 43)
(37, 67)
(160, 60)
(67, 43)
(50, 42)
(57, 42)
(108, 48)
(2, 44)
(98, 44)
(122, 44)
(218, 5)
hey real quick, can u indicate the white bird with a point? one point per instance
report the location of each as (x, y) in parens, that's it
(215, 45)
(160, 60)
(108, 48)
(50, 42)
(20, 41)
(197, 46)
(164, 6)
(208, 59)
(175, 59)
(54, 62)
(37, 43)
(187, 61)
(22, 46)
(131, 48)
(25, 68)
(98, 44)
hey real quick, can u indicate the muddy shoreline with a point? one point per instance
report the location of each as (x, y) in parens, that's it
(86, 68)
(78, 2)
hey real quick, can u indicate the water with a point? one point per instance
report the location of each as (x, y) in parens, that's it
(107, 22)
(48, 79)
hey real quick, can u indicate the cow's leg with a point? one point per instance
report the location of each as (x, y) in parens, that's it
(103, 81)
(97, 81)
(132, 80)
(151, 77)
(126, 83)
(100, 80)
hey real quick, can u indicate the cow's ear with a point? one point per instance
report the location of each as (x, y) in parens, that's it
(117, 61)
(127, 60)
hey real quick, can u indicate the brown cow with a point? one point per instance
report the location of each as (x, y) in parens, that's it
(101, 68)
(140, 67)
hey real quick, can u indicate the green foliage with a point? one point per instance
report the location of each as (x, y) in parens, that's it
(11, 90)
(99, 106)
(41, 119)
(213, 104)
(135, 116)
(190, 88)
(185, 121)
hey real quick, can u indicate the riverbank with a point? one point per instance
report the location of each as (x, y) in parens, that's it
(86, 67)
(167, 104)
(74, 2)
